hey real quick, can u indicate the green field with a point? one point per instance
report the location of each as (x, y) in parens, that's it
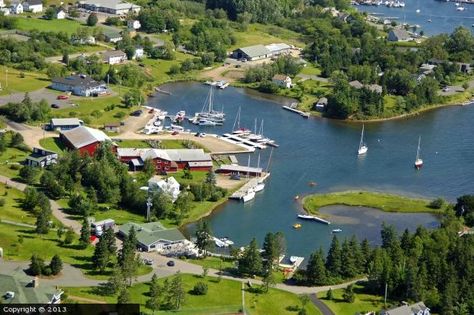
(11, 210)
(266, 34)
(52, 144)
(132, 143)
(10, 162)
(17, 81)
(223, 297)
(382, 201)
(213, 262)
(29, 24)
(363, 302)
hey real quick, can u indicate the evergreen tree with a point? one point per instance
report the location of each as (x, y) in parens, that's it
(176, 292)
(154, 302)
(101, 256)
(109, 239)
(268, 280)
(124, 296)
(333, 259)
(365, 255)
(92, 19)
(116, 283)
(251, 262)
(42, 221)
(203, 237)
(348, 294)
(316, 270)
(69, 236)
(36, 265)
(127, 259)
(84, 239)
(329, 295)
(270, 253)
(56, 264)
(210, 178)
(348, 261)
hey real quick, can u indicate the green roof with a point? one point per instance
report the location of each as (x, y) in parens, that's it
(19, 283)
(150, 233)
(255, 51)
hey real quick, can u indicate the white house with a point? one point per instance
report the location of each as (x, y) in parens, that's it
(414, 309)
(139, 53)
(34, 6)
(60, 15)
(169, 186)
(16, 8)
(133, 24)
(5, 10)
(282, 80)
(113, 57)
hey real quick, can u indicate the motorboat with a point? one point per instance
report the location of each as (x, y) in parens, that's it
(297, 226)
(313, 217)
(259, 187)
(337, 230)
(460, 8)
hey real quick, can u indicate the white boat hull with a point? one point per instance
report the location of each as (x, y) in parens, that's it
(248, 196)
(259, 187)
(362, 150)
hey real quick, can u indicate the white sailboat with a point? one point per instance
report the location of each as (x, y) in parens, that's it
(250, 193)
(208, 113)
(418, 160)
(362, 147)
(236, 129)
(260, 185)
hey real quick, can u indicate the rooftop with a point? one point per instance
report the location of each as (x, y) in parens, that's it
(78, 80)
(20, 283)
(280, 77)
(112, 4)
(401, 34)
(113, 53)
(82, 136)
(406, 309)
(150, 233)
(240, 168)
(255, 51)
(65, 122)
(277, 47)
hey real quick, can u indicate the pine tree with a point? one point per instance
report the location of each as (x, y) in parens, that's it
(329, 295)
(101, 256)
(116, 282)
(316, 273)
(36, 265)
(42, 222)
(127, 259)
(85, 233)
(109, 238)
(56, 264)
(348, 294)
(365, 255)
(348, 260)
(333, 259)
(251, 262)
(176, 292)
(154, 302)
(203, 237)
(270, 253)
(124, 296)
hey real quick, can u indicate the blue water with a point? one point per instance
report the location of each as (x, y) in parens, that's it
(445, 18)
(324, 151)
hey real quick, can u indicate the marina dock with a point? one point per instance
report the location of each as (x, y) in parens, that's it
(292, 108)
(246, 142)
(248, 185)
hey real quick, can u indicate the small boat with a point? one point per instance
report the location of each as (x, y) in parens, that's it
(460, 8)
(296, 226)
(418, 160)
(336, 230)
(312, 184)
(206, 122)
(362, 147)
(418, 10)
(249, 195)
(259, 187)
(180, 116)
(297, 197)
(312, 217)
(429, 20)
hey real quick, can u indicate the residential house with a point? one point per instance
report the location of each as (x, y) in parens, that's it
(5, 11)
(139, 53)
(60, 14)
(250, 53)
(80, 85)
(133, 24)
(166, 160)
(84, 139)
(113, 57)
(34, 6)
(90, 40)
(427, 68)
(111, 35)
(278, 49)
(398, 35)
(414, 309)
(61, 124)
(116, 7)
(321, 104)
(41, 158)
(356, 84)
(371, 87)
(16, 7)
(112, 127)
(169, 186)
(282, 80)
(153, 236)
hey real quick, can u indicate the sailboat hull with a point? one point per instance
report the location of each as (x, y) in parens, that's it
(418, 164)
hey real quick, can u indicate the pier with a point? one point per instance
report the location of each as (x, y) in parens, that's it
(239, 194)
(246, 142)
(292, 108)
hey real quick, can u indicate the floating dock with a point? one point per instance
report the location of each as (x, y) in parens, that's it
(293, 109)
(244, 141)
(248, 185)
(314, 218)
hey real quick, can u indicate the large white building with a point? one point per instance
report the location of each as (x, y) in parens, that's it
(34, 6)
(80, 85)
(169, 186)
(116, 7)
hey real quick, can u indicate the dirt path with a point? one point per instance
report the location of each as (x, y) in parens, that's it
(81, 299)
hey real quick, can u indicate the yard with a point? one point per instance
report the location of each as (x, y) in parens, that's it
(223, 297)
(11, 209)
(66, 25)
(10, 161)
(16, 81)
(52, 144)
(266, 34)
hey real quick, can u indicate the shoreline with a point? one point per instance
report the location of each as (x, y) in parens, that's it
(386, 202)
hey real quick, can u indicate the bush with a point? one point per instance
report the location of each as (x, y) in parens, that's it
(200, 289)
(438, 203)
(120, 115)
(2, 202)
(15, 167)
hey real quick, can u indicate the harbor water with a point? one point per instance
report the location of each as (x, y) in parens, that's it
(444, 15)
(325, 152)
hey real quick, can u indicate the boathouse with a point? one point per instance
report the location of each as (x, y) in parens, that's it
(282, 80)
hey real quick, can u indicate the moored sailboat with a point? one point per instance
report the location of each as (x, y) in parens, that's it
(418, 160)
(362, 147)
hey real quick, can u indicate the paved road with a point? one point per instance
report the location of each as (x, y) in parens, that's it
(325, 310)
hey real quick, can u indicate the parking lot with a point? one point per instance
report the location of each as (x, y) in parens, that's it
(49, 95)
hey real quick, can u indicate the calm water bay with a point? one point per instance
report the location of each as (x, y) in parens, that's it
(324, 151)
(444, 16)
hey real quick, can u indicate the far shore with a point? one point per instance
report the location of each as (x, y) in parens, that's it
(382, 201)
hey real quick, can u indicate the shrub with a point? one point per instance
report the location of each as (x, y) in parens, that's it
(200, 289)
(438, 203)
(2, 202)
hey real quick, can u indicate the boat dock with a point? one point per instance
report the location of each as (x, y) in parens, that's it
(314, 218)
(241, 140)
(240, 144)
(292, 108)
(249, 185)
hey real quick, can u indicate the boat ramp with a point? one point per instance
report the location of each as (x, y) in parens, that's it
(251, 184)
(292, 108)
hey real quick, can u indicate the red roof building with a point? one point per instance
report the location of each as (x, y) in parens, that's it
(84, 139)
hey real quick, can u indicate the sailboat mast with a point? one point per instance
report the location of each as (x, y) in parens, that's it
(210, 100)
(248, 166)
(261, 129)
(362, 137)
(255, 127)
(418, 149)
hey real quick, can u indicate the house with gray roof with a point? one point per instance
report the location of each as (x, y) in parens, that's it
(84, 139)
(64, 123)
(398, 35)
(116, 7)
(80, 84)
(152, 236)
(41, 158)
(414, 309)
(250, 53)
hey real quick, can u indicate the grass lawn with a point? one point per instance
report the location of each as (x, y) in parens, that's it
(53, 144)
(222, 297)
(132, 143)
(159, 69)
(382, 201)
(11, 210)
(266, 34)
(363, 302)
(22, 81)
(68, 26)
(9, 161)
(213, 262)
(310, 69)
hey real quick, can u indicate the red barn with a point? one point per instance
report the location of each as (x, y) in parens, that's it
(167, 160)
(84, 139)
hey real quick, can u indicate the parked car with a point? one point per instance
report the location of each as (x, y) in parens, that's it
(148, 261)
(54, 105)
(63, 97)
(137, 113)
(170, 263)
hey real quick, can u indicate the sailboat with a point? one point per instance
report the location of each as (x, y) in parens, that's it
(362, 147)
(250, 193)
(260, 185)
(236, 129)
(208, 113)
(418, 160)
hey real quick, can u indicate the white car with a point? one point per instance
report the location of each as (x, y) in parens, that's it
(9, 295)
